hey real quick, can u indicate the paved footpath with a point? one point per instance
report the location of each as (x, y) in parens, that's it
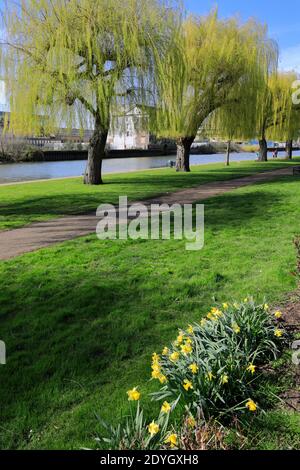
(42, 234)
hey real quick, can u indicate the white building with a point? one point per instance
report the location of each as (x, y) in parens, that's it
(129, 130)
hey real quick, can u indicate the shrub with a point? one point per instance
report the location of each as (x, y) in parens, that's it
(214, 364)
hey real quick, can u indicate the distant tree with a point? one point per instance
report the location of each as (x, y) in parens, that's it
(210, 63)
(233, 121)
(276, 115)
(71, 62)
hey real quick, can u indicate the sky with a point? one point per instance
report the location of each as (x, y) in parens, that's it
(281, 16)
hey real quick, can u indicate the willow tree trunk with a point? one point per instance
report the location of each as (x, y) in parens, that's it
(96, 153)
(263, 150)
(228, 153)
(289, 149)
(183, 153)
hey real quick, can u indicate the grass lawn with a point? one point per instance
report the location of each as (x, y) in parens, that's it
(81, 319)
(21, 204)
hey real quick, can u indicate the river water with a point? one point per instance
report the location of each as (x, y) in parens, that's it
(46, 170)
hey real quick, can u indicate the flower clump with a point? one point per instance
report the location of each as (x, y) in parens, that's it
(213, 364)
(211, 368)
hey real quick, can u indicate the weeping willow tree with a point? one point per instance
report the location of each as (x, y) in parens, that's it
(209, 64)
(285, 124)
(69, 63)
(233, 121)
(276, 117)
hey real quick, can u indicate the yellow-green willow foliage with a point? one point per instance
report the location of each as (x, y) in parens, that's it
(69, 63)
(283, 122)
(233, 121)
(276, 116)
(210, 63)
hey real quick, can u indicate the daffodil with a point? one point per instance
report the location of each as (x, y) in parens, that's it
(166, 407)
(174, 356)
(180, 338)
(155, 358)
(210, 376)
(194, 368)
(236, 328)
(155, 374)
(186, 348)
(278, 314)
(187, 384)
(225, 305)
(165, 351)
(224, 379)
(251, 405)
(246, 300)
(162, 378)
(190, 329)
(251, 368)
(156, 367)
(188, 341)
(153, 428)
(278, 333)
(266, 307)
(172, 440)
(133, 395)
(203, 321)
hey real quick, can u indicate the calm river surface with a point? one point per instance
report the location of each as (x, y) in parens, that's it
(47, 170)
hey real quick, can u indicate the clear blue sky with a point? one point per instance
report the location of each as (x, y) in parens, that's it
(281, 16)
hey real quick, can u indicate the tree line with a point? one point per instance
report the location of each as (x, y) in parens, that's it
(76, 62)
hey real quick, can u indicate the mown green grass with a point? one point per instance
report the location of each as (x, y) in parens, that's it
(81, 319)
(21, 204)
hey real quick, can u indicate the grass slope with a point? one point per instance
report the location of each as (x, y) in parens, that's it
(81, 319)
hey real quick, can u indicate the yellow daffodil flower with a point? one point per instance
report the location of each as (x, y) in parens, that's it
(162, 378)
(251, 405)
(278, 314)
(165, 351)
(210, 376)
(153, 428)
(194, 368)
(166, 407)
(266, 307)
(155, 374)
(190, 329)
(179, 339)
(225, 305)
(251, 368)
(224, 379)
(172, 440)
(155, 359)
(278, 333)
(186, 348)
(133, 395)
(174, 356)
(236, 328)
(187, 384)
